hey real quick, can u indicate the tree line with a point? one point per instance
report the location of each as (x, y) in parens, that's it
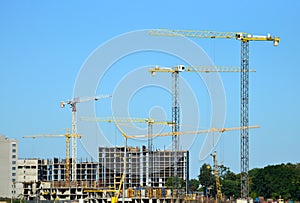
(276, 181)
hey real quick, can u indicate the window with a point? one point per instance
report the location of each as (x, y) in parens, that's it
(13, 168)
(14, 150)
(14, 162)
(13, 180)
(13, 174)
(13, 156)
(14, 144)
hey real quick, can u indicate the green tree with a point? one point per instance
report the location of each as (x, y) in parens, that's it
(175, 182)
(206, 178)
(230, 184)
(278, 180)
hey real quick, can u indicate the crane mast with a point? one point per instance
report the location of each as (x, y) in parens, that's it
(150, 153)
(176, 121)
(74, 141)
(244, 92)
(68, 157)
(217, 176)
(244, 119)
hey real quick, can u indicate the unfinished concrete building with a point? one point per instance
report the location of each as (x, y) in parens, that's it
(34, 170)
(162, 167)
(40, 176)
(111, 166)
(147, 173)
(143, 167)
(86, 172)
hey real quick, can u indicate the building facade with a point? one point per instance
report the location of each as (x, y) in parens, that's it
(111, 166)
(34, 170)
(8, 169)
(143, 167)
(162, 166)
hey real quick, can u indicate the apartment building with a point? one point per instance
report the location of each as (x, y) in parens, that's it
(8, 169)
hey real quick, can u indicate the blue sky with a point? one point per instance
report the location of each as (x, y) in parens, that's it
(45, 44)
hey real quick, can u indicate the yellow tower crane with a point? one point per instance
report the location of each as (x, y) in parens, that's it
(175, 94)
(244, 92)
(217, 177)
(68, 136)
(212, 130)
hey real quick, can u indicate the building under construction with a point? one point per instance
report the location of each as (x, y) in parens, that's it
(146, 175)
(143, 168)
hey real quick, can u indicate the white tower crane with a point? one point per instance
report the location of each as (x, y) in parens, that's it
(73, 102)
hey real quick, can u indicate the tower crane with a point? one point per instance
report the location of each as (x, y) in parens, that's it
(73, 103)
(212, 130)
(150, 122)
(245, 38)
(67, 135)
(217, 176)
(175, 94)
